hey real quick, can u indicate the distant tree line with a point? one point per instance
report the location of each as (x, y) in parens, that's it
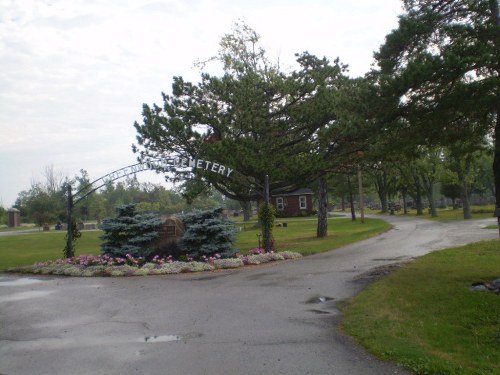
(432, 180)
(417, 184)
(3, 216)
(46, 200)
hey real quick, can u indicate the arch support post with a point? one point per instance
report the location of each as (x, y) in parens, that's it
(69, 251)
(267, 229)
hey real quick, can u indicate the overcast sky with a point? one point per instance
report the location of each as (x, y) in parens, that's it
(75, 73)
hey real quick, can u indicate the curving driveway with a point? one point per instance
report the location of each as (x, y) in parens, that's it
(271, 319)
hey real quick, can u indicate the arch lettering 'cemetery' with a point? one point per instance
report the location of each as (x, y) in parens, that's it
(170, 165)
(166, 165)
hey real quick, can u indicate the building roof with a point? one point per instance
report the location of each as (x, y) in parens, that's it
(302, 191)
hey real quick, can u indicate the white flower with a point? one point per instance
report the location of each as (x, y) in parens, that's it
(290, 255)
(228, 263)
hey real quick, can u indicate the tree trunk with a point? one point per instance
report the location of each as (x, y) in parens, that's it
(420, 205)
(465, 197)
(463, 174)
(361, 202)
(351, 199)
(496, 169)
(466, 204)
(418, 195)
(381, 185)
(496, 132)
(322, 229)
(429, 191)
(432, 204)
(405, 192)
(246, 206)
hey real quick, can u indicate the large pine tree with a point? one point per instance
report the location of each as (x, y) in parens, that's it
(440, 71)
(254, 118)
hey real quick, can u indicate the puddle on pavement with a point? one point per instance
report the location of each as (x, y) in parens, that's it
(163, 338)
(388, 259)
(170, 338)
(320, 312)
(24, 295)
(320, 299)
(6, 281)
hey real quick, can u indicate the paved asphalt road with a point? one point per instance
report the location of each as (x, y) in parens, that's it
(272, 319)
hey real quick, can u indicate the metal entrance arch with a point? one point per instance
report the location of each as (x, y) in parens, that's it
(166, 164)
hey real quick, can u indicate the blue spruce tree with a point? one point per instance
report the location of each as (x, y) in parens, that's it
(130, 233)
(208, 233)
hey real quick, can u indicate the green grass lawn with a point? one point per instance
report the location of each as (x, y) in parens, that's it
(425, 316)
(299, 236)
(17, 229)
(478, 212)
(492, 226)
(26, 249)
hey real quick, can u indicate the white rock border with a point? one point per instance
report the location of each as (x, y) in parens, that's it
(153, 268)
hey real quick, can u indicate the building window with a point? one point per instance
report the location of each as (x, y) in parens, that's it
(280, 204)
(303, 202)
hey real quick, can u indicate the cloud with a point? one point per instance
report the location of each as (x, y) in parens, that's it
(67, 23)
(74, 74)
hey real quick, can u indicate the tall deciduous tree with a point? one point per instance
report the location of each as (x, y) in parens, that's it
(44, 202)
(451, 187)
(346, 136)
(429, 168)
(484, 185)
(441, 66)
(3, 215)
(463, 160)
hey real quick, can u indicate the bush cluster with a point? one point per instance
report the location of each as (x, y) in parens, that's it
(208, 234)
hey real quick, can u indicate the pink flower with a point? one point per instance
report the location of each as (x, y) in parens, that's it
(257, 250)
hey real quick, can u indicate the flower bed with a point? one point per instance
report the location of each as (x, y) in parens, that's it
(90, 265)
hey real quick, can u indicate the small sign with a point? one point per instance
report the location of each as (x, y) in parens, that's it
(170, 231)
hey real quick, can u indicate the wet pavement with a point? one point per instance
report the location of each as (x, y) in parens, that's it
(279, 318)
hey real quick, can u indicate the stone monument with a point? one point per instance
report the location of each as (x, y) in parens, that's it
(171, 232)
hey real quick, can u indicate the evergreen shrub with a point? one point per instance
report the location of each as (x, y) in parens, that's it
(267, 216)
(208, 233)
(130, 233)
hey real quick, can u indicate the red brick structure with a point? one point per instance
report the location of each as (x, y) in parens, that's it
(14, 219)
(296, 203)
